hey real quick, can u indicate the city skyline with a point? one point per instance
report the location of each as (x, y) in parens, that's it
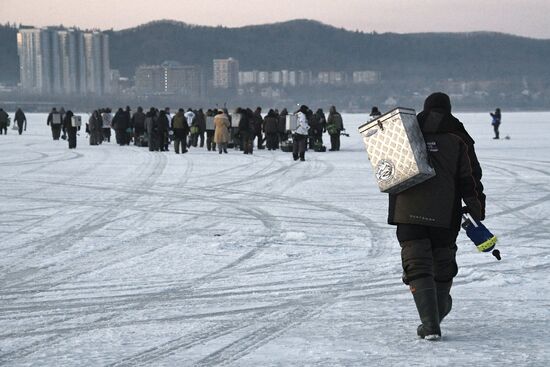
(524, 18)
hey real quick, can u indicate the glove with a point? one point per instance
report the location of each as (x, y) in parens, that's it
(482, 238)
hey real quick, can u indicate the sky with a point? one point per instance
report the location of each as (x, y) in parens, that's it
(527, 18)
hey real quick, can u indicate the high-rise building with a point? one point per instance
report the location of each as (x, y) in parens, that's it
(63, 61)
(170, 78)
(226, 73)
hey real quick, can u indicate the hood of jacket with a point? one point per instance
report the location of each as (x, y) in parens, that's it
(439, 121)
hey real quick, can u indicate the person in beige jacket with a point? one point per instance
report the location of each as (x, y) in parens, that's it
(221, 131)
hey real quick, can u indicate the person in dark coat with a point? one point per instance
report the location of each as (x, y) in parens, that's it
(55, 122)
(335, 125)
(323, 124)
(375, 113)
(496, 122)
(428, 215)
(138, 123)
(164, 128)
(246, 130)
(129, 126)
(270, 129)
(21, 120)
(69, 129)
(210, 144)
(4, 119)
(94, 128)
(201, 124)
(258, 123)
(152, 128)
(121, 124)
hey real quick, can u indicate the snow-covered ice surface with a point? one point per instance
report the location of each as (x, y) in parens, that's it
(116, 256)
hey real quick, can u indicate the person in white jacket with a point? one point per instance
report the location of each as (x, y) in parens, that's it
(301, 133)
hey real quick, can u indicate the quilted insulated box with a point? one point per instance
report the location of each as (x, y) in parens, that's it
(209, 122)
(76, 121)
(396, 150)
(291, 122)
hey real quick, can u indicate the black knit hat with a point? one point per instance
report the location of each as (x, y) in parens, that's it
(438, 100)
(303, 109)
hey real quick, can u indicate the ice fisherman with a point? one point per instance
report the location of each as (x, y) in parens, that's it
(496, 122)
(428, 215)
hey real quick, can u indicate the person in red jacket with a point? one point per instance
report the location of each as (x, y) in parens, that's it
(428, 215)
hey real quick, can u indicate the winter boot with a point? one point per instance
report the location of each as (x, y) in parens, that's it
(444, 300)
(425, 297)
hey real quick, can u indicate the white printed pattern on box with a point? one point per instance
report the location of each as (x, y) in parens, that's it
(397, 150)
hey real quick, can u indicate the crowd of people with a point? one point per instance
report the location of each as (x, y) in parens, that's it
(216, 128)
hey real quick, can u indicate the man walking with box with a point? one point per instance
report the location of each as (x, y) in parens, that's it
(428, 215)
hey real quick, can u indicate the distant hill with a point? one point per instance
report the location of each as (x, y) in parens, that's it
(310, 45)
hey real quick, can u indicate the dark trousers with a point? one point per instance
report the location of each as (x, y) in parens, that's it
(180, 141)
(260, 140)
(210, 145)
(272, 141)
(200, 138)
(495, 128)
(106, 133)
(120, 136)
(247, 142)
(299, 146)
(154, 141)
(71, 137)
(56, 131)
(427, 252)
(3, 130)
(335, 141)
(20, 126)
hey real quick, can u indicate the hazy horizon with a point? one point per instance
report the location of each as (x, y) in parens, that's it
(523, 18)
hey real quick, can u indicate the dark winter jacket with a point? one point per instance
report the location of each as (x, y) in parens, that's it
(121, 121)
(437, 201)
(258, 121)
(179, 125)
(138, 121)
(334, 123)
(67, 123)
(20, 116)
(246, 124)
(3, 118)
(270, 123)
(201, 121)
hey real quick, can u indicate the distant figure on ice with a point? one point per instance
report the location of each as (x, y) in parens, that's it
(335, 125)
(4, 119)
(375, 113)
(221, 131)
(428, 215)
(496, 122)
(54, 121)
(69, 129)
(181, 130)
(107, 118)
(94, 128)
(20, 120)
(301, 133)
